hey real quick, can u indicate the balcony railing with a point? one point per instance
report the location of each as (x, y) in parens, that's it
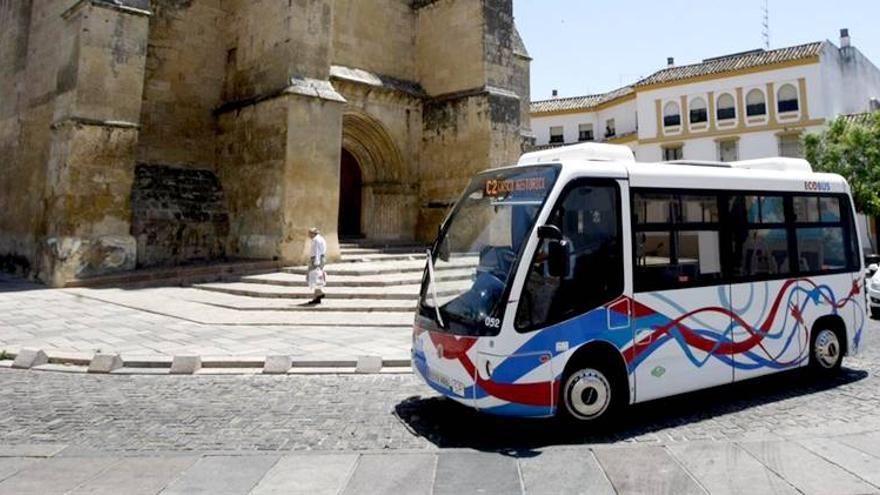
(787, 106)
(699, 115)
(756, 109)
(671, 120)
(726, 113)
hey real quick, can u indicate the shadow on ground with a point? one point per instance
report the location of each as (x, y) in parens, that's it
(10, 283)
(447, 423)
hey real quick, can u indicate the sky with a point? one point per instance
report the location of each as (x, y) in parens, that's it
(589, 46)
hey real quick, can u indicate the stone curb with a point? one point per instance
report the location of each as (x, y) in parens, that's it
(198, 365)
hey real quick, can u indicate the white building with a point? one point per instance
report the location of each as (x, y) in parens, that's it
(735, 107)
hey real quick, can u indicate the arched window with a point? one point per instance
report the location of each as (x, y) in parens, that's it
(671, 115)
(698, 111)
(756, 105)
(787, 99)
(726, 107)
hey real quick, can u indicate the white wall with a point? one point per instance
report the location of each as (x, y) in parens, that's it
(850, 80)
(624, 115)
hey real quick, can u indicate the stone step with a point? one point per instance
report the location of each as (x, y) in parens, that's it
(179, 275)
(247, 303)
(400, 292)
(385, 266)
(352, 251)
(354, 258)
(382, 280)
(378, 244)
(326, 306)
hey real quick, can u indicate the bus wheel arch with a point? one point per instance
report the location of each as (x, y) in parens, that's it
(602, 364)
(828, 344)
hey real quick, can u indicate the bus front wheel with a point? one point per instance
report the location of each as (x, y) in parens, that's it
(590, 393)
(826, 352)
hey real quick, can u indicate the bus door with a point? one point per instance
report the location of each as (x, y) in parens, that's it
(767, 334)
(681, 313)
(559, 308)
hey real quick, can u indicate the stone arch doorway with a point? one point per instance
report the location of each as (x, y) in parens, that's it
(351, 182)
(387, 201)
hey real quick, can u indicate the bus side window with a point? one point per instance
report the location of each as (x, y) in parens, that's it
(760, 236)
(676, 238)
(589, 217)
(822, 229)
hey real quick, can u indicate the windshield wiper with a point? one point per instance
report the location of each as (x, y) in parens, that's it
(433, 287)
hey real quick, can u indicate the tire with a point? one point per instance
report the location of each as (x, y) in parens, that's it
(590, 393)
(826, 352)
(875, 313)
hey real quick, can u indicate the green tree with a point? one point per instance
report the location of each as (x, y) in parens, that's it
(850, 146)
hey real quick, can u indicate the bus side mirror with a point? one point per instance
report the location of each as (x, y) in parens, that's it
(557, 258)
(443, 250)
(549, 232)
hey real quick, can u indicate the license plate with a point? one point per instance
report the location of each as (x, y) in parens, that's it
(452, 384)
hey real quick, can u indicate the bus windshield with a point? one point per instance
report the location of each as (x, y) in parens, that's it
(478, 246)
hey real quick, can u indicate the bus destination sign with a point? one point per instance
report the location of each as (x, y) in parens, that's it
(504, 187)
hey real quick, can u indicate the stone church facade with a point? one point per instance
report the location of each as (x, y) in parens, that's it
(138, 133)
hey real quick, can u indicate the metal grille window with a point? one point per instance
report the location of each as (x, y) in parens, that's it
(585, 132)
(790, 146)
(557, 135)
(728, 151)
(610, 129)
(671, 153)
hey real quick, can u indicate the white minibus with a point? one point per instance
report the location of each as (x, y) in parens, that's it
(580, 281)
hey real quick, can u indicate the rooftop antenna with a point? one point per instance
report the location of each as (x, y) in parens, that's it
(765, 33)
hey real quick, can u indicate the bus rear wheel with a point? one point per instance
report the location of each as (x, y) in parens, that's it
(589, 394)
(826, 352)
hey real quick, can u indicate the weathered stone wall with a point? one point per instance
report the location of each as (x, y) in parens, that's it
(280, 128)
(456, 145)
(185, 73)
(178, 215)
(69, 68)
(93, 144)
(474, 121)
(279, 163)
(449, 46)
(264, 94)
(378, 36)
(251, 158)
(19, 208)
(521, 85)
(271, 41)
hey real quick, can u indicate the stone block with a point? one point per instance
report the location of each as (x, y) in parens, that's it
(105, 363)
(28, 358)
(369, 364)
(185, 365)
(277, 365)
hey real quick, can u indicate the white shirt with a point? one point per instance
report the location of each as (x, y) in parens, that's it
(319, 247)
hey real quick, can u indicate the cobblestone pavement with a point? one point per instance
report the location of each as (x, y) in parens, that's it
(334, 412)
(66, 322)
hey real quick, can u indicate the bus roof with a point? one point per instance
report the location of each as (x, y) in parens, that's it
(767, 174)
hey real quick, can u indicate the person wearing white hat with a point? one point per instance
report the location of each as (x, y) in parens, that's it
(316, 277)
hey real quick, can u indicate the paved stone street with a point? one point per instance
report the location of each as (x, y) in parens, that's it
(164, 322)
(389, 433)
